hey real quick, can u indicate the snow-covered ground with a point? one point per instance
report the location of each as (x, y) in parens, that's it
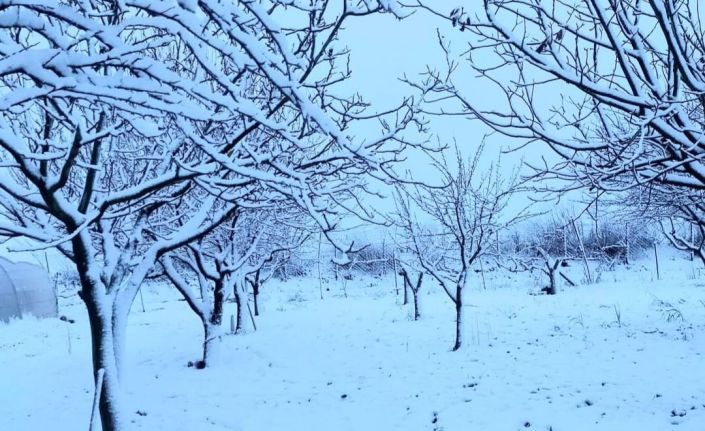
(627, 353)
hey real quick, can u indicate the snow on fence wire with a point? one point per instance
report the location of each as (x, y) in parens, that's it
(375, 259)
(616, 244)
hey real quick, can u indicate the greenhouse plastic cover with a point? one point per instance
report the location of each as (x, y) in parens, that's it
(25, 288)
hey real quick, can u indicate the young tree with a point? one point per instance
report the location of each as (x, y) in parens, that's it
(549, 246)
(536, 258)
(271, 266)
(415, 287)
(220, 263)
(449, 228)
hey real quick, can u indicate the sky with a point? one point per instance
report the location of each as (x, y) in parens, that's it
(384, 49)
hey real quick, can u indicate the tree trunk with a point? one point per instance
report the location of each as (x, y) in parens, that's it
(458, 316)
(255, 292)
(417, 312)
(238, 310)
(104, 325)
(212, 337)
(701, 255)
(406, 295)
(107, 317)
(216, 317)
(213, 324)
(415, 290)
(582, 251)
(551, 282)
(254, 300)
(243, 318)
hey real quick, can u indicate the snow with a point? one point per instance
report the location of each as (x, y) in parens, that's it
(624, 354)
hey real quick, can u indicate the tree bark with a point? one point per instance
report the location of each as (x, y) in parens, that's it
(458, 317)
(212, 337)
(216, 317)
(107, 317)
(701, 255)
(255, 292)
(415, 290)
(254, 299)
(206, 342)
(105, 356)
(552, 282)
(406, 295)
(243, 322)
(417, 313)
(238, 310)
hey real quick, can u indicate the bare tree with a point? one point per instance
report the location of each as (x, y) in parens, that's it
(536, 258)
(449, 228)
(265, 238)
(219, 265)
(415, 287)
(679, 213)
(121, 140)
(632, 74)
(273, 264)
(689, 237)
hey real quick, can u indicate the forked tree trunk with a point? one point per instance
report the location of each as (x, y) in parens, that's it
(415, 288)
(106, 332)
(107, 316)
(417, 312)
(551, 290)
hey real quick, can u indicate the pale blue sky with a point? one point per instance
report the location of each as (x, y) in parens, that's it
(384, 48)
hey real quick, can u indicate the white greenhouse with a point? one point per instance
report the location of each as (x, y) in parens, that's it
(25, 289)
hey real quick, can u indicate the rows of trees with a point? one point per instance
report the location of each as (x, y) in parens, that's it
(463, 216)
(199, 142)
(632, 116)
(135, 135)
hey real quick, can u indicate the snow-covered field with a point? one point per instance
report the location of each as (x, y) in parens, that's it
(624, 354)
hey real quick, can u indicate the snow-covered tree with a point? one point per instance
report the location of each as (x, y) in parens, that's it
(447, 229)
(680, 213)
(535, 258)
(632, 74)
(413, 284)
(221, 263)
(131, 129)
